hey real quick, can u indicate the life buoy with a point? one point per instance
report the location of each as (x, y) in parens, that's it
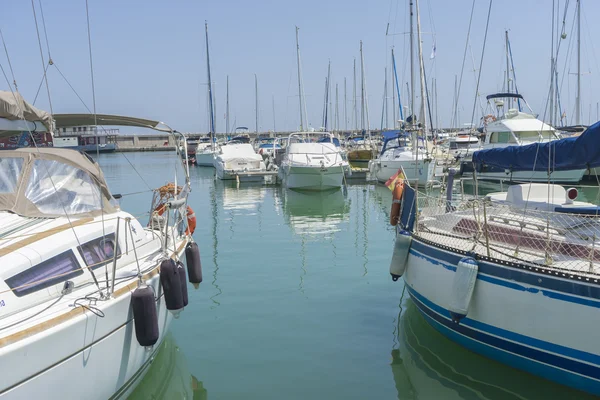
(191, 218)
(397, 199)
(488, 118)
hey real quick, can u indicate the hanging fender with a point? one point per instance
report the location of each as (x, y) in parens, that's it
(397, 199)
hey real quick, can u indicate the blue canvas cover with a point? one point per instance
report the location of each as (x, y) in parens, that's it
(580, 152)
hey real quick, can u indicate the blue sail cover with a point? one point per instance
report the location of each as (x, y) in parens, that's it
(580, 152)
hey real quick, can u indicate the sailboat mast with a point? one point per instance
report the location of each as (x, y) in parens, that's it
(256, 100)
(299, 81)
(507, 69)
(422, 74)
(578, 102)
(273, 103)
(551, 105)
(394, 119)
(337, 109)
(327, 97)
(412, 66)
(227, 110)
(345, 106)
(362, 91)
(384, 110)
(210, 95)
(354, 99)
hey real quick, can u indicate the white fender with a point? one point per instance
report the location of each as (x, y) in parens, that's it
(400, 255)
(462, 288)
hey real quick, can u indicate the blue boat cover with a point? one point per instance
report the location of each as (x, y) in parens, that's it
(580, 152)
(391, 134)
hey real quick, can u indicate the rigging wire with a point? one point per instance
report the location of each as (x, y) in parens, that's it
(462, 68)
(37, 29)
(8, 59)
(481, 61)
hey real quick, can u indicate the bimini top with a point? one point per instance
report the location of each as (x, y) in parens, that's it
(580, 152)
(51, 183)
(504, 96)
(13, 107)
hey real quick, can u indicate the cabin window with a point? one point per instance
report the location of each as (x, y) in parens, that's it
(98, 252)
(56, 188)
(502, 137)
(534, 136)
(64, 130)
(50, 272)
(10, 169)
(85, 128)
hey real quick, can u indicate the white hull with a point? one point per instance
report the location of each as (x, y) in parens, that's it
(572, 176)
(383, 170)
(243, 176)
(543, 323)
(312, 178)
(205, 159)
(88, 357)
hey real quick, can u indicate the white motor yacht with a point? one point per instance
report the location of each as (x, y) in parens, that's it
(312, 165)
(76, 266)
(517, 128)
(239, 161)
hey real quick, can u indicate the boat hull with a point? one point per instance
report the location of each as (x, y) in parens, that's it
(360, 158)
(517, 316)
(312, 178)
(205, 159)
(89, 356)
(383, 170)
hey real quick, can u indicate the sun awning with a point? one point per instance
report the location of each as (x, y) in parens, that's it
(69, 120)
(13, 107)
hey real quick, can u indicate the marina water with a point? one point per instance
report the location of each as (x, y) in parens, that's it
(297, 301)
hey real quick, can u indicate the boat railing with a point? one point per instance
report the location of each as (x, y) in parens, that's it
(556, 240)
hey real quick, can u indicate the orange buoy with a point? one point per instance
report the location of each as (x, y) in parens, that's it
(397, 199)
(191, 218)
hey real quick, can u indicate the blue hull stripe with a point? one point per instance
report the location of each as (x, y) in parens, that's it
(550, 366)
(514, 278)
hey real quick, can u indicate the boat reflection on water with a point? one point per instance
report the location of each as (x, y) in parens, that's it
(246, 199)
(426, 365)
(315, 213)
(169, 377)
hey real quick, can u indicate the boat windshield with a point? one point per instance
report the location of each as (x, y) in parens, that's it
(10, 169)
(57, 188)
(396, 142)
(463, 145)
(535, 136)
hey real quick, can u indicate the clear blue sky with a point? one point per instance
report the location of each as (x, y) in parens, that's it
(149, 56)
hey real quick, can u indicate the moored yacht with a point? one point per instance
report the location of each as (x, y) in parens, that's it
(239, 161)
(84, 284)
(517, 128)
(312, 165)
(513, 276)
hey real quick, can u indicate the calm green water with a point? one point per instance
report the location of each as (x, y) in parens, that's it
(297, 302)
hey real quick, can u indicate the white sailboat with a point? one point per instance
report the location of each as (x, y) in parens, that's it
(400, 152)
(206, 154)
(78, 290)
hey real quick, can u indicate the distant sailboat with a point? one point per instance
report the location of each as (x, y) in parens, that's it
(205, 156)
